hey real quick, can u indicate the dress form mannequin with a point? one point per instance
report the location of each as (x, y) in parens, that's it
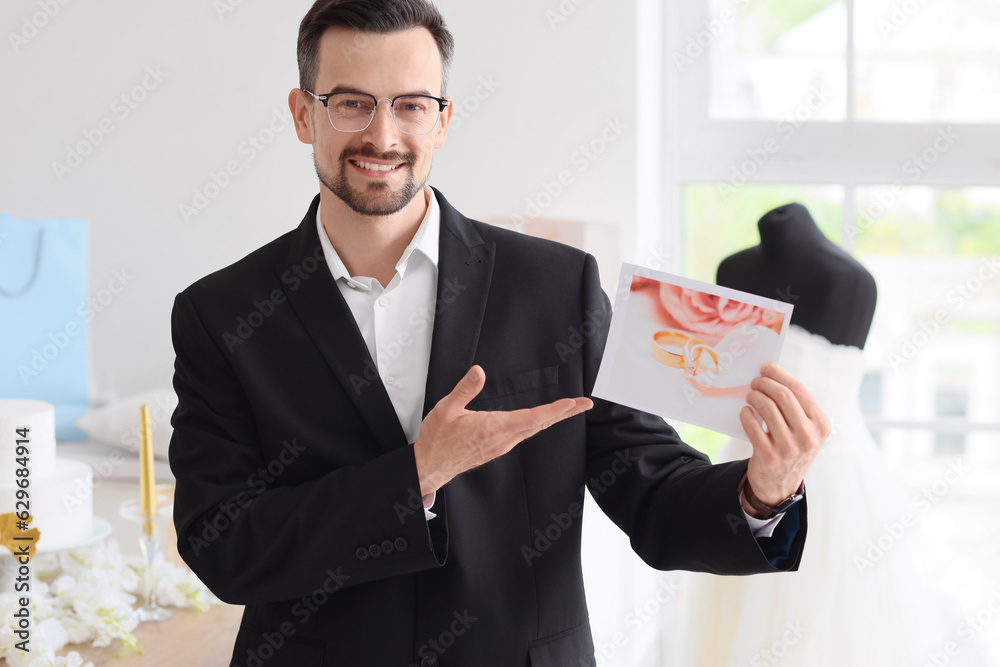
(834, 295)
(841, 607)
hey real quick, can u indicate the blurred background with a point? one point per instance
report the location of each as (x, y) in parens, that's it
(674, 125)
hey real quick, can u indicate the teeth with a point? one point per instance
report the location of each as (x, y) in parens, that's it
(375, 167)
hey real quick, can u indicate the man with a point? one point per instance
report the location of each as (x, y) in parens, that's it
(377, 420)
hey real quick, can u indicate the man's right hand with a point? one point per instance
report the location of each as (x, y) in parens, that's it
(453, 440)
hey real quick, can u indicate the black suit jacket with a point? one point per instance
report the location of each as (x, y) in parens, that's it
(297, 493)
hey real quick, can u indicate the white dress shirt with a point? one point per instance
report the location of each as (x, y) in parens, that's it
(396, 321)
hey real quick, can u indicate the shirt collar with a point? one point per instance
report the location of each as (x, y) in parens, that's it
(425, 241)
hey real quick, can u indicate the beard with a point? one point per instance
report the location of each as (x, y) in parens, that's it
(378, 199)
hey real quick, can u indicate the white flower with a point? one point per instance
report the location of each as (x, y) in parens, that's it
(173, 586)
(87, 595)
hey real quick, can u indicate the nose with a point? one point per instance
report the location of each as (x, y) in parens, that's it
(382, 131)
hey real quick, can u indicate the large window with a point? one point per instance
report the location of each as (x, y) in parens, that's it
(895, 61)
(882, 117)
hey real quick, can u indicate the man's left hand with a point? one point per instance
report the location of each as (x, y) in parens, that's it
(796, 427)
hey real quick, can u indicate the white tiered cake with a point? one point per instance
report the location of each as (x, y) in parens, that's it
(61, 490)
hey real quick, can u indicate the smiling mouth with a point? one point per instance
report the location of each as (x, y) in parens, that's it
(374, 166)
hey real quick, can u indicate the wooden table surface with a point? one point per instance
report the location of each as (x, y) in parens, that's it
(191, 638)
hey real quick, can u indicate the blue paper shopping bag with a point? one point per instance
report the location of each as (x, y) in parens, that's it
(44, 346)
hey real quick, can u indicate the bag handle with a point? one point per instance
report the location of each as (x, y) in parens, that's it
(34, 271)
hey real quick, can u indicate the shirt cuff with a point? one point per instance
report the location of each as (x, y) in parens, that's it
(429, 503)
(760, 527)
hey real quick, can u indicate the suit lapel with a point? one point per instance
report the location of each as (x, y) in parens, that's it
(465, 268)
(330, 323)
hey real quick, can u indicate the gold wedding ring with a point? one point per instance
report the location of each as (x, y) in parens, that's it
(688, 358)
(668, 340)
(692, 369)
(692, 355)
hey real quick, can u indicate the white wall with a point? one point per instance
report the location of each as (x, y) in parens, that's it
(225, 78)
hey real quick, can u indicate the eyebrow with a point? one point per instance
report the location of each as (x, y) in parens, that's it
(341, 88)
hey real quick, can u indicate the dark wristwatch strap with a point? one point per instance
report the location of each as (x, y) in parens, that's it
(763, 510)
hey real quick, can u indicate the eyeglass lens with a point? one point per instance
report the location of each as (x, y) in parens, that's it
(351, 112)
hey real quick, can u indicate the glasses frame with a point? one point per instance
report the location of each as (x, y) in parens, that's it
(325, 99)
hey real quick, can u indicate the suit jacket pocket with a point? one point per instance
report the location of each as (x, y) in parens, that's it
(571, 647)
(255, 646)
(518, 383)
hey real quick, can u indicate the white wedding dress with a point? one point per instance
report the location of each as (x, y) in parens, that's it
(858, 598)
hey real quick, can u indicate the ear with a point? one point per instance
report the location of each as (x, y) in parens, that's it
(442, 131)
(301, 106)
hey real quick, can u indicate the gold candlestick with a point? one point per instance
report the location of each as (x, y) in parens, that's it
(147, 478)
(149, 511)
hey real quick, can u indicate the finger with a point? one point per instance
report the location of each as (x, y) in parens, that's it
(467, 389)
(526, 422)
(770, 412)
(502, 431)
(787, 401)
(808, 403)
(755, 432)
(543, 416)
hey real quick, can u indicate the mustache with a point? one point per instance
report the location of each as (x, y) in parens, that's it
(389, 156)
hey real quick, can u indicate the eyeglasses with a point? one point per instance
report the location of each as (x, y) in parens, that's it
(353, 112)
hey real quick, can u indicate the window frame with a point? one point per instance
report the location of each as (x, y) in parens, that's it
(672, 112)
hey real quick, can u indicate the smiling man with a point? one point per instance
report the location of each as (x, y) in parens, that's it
(389, 468)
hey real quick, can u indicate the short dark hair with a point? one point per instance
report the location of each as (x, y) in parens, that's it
(372, 16)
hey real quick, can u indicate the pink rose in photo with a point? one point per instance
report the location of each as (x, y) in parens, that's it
(641, 282)
(711, 316)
